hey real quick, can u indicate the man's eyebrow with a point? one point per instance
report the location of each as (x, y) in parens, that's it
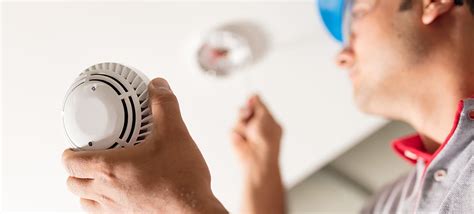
(357, 1)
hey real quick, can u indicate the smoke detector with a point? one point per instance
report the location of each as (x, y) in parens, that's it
(231, 47)
(223, 52)
(107, 107)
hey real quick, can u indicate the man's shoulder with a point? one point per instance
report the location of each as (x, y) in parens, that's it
(460, 196)
(391, 197)
(403, 194)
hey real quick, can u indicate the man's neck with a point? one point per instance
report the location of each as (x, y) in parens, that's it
(435, 120)
(430, 145)
(434, 110)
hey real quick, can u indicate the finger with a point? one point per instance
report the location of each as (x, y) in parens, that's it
(241, 128)
(164, 104)
(237, 137)
(259, 106)
(245, 114)
(90, 206)
(81, 187)
(81, 164)
(238, 141)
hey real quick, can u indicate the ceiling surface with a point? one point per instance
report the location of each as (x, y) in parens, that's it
(46, 45)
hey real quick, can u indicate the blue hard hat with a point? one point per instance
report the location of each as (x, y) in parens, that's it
(332, 14)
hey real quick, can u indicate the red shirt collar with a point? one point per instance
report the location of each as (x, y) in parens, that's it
(411, 147)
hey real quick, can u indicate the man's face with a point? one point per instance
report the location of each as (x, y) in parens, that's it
(382, 50)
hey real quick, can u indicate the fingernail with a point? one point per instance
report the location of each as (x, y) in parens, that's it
(160, 84)
(251, 100)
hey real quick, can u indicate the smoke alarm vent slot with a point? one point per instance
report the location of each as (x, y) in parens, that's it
(118, 82)
(125, 121)
(133, 120)
(113, 146)
(109, 84)
(130, 77)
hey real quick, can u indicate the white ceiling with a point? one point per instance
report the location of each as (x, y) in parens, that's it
(46, 45)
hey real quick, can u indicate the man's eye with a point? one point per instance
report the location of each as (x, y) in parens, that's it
(359, 10)
(356, 14)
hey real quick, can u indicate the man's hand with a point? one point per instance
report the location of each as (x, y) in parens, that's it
(165, 174)
(256, 138)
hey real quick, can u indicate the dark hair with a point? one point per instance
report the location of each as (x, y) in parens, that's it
(471, 5)
(408, 4)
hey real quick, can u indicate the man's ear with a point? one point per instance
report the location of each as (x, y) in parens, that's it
(433, 9)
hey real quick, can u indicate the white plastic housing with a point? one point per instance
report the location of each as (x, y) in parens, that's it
(107, 107)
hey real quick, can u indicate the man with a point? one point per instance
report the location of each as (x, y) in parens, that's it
(409, 60)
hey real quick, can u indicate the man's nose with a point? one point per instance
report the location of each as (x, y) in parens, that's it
(345, 58)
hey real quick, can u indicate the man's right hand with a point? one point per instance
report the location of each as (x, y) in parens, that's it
(256, 139)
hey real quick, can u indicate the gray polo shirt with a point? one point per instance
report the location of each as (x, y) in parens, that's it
(442, 182)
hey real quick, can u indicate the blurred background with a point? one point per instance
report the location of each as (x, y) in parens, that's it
(214, 54)
(348, 182)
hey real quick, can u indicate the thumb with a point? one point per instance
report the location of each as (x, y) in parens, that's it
(164, 105)
(259, 107)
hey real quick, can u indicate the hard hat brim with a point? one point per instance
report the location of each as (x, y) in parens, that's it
(332, 14)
